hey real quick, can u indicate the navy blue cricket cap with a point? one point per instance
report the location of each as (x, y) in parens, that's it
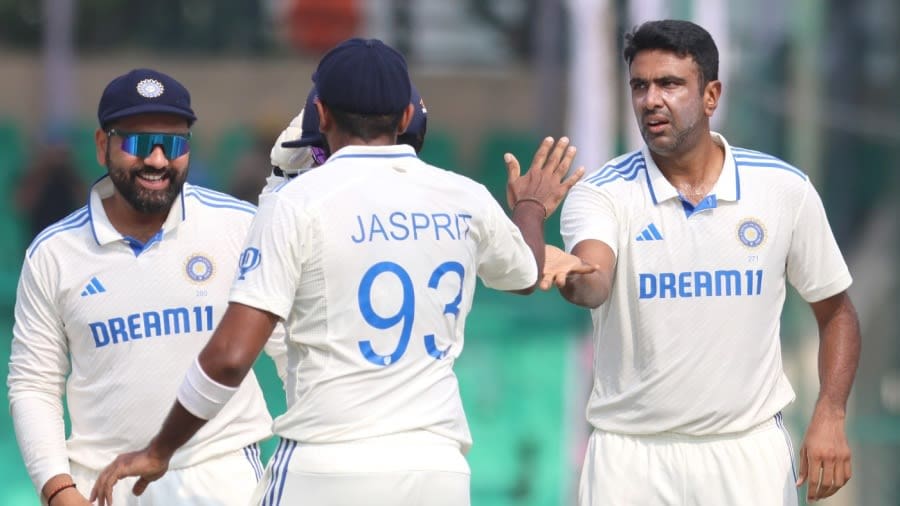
(363, 76)
(311, 136)
(144, 91)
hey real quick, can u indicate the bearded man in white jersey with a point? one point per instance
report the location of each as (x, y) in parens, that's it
(371, 261)
(694, 240)
(116, 300)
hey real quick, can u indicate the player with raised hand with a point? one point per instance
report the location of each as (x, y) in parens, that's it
(695, 241)
(371, 262)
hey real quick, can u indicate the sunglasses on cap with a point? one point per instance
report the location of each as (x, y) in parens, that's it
(141, 144)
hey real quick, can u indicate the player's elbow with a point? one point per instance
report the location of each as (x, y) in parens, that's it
(226, 366)
(585, 293)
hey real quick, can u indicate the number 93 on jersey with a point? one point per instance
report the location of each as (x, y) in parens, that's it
(387, 300)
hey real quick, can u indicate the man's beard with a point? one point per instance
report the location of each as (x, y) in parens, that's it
(140, 198)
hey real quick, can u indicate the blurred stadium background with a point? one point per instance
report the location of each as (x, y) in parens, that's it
(816, 82)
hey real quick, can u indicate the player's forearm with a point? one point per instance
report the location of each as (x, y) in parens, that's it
(178, 428)
(839, 349)
(40, 433)
(529, 217)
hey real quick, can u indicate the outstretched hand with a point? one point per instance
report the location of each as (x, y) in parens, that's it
(559, 266)
(142, 463)
(545, 182)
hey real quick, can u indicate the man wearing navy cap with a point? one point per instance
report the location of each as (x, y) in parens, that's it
(114, 303)
(371, 263)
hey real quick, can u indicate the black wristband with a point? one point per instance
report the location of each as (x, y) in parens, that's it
(531, 199)
(57, 491)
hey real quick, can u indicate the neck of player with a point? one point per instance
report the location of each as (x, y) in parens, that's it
(694, 171)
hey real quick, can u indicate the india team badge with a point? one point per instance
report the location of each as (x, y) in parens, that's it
(199, 268)
(751, 232)
(150, 88)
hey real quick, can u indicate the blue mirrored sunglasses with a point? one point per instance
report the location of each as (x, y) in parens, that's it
(141, 144)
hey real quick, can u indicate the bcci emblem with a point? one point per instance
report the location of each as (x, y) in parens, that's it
(751, 233)
(199, 268)
(150, 88)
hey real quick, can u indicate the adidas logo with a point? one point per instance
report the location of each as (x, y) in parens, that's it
(650, 233)
(93, 287)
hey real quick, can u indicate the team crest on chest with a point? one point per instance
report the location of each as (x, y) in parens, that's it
(199, 268)
(751, 232)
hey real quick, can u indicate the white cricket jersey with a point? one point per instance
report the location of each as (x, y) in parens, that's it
(371, 260)
(688, 340)
(131, 318)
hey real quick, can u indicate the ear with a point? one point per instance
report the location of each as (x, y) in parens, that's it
(325, 121)
(100, 141)
(711, 95)
(406, 118)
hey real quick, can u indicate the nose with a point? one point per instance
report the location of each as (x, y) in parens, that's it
(157, 158)
(653, 97)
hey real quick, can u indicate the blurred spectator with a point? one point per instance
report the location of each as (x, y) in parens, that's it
(50, 188)
(315, 26)
(252, 167)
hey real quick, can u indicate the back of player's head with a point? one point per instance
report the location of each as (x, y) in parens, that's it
(363, 76)
(682, 38)
(144, 91)
(365, 85)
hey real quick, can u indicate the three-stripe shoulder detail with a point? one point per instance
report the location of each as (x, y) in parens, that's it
(212, 198)
(750, 158)
(77, 219)
(626, 168)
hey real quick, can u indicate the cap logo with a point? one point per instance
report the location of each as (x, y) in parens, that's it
(150, 88)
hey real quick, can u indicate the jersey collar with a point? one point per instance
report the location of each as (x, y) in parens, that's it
(105, 233)
(727, 187)
(359, 151)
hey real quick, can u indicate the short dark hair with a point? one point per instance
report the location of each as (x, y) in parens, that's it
(681, 37)
(366, 126)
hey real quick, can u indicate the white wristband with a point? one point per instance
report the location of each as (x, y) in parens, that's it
(202, 396)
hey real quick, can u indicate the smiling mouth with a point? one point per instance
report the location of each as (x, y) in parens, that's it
(152, 176)
(153, 180)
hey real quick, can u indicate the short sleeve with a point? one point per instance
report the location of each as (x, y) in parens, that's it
(505, 262)
(271, 262)
(815, 266)
(589, 214)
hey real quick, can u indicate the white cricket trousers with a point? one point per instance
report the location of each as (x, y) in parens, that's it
(751, 468)
(364, 474)
(228, 480)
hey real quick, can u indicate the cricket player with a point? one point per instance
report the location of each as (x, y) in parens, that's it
(695, 240)
(114, 303)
